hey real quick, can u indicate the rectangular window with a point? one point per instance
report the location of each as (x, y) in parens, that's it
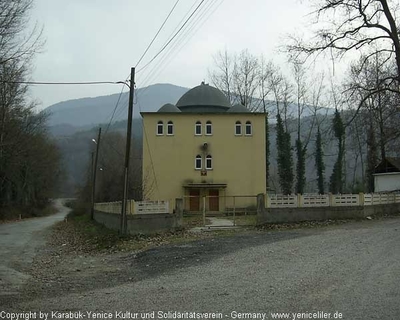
(170, 129)
(160, 129)
(248, 129)
(208, 129)
(238, 129)
(209, 163)
(198, 164)
(198, 129)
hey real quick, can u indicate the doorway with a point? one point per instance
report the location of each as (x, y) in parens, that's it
(213, 204)
(194, 200)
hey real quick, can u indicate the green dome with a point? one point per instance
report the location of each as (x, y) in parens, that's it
(203, 98)
(168, 108)
(238, 108)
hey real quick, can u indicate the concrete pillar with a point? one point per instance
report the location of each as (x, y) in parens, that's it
(330, 195)
(299, 200)
(261, 212)
(179, 212)
(361, 198)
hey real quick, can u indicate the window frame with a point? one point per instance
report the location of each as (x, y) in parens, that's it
(198, 125)
(170, 124)
(198, 157)
(238, 124)
(209, 158)
(248, 125)
(208, 125)
(160, 124)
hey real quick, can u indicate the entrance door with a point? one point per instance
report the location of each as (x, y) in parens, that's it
(194, 200)
(214, 200)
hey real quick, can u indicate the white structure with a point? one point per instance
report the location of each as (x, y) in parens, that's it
(387, 175)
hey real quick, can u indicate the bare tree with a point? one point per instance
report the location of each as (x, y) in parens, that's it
(238, 77)
(355, 26)
(222, 77)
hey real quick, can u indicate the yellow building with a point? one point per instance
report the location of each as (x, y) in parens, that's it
(203, 146)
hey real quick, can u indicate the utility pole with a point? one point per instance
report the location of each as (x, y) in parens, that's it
(95, 173)
(127, 152)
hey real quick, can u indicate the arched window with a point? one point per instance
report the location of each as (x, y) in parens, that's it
(170, 128)
(197, 163)
(208, 128)
(249, 129)
(197, 129)
(160, 128)
(238, 128)
(209, 162)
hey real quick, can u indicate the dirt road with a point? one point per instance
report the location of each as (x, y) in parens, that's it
(18, 243)
(349, 271)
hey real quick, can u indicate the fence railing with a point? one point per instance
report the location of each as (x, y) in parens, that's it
(134, 207)
(329, 200)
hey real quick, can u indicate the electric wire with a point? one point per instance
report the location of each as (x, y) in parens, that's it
(186, 36)
(173, 37)
(179, 44)
(61, 83)
(154, 38)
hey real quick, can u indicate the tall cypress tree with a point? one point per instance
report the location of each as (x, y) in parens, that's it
(319, 162)
(285, 159)
(372, 160)
(301, 167)
(336, 180)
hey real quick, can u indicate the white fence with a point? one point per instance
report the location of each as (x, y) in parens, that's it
(134, 207)
(330, 200)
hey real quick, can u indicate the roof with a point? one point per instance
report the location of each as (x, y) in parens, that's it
(203, 98)
(168, 108)
(238, 108)
(388, 165)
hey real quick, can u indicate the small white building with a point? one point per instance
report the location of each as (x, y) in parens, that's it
(387, 175)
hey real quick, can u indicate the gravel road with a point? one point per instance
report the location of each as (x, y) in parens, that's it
(352, 269)
(18, 243)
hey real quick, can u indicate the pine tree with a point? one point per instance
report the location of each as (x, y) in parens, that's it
(319, 162)
(301, 167)
(336, 180)
(372, 160)
(285, 159)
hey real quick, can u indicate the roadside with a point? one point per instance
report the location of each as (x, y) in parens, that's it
(82, 257)
(18, 244)
(13, 214)
(350, 268)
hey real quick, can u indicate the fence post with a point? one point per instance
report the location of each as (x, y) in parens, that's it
(179, 211)
(330, 199)
(299, 200)
(204, 211)
(361, 198)
(267, 200)
(261, 208)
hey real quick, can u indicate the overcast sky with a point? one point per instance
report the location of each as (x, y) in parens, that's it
(101, 40)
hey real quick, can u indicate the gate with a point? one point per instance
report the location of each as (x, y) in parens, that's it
(221, 211)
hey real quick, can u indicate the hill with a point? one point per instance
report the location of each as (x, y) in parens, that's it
(89, 112)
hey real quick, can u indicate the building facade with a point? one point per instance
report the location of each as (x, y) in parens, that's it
(203, 146)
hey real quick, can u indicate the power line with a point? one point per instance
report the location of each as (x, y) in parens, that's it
(169, 41)
(154, 38)
(115, 109)
(62, 83)
(181, 41)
